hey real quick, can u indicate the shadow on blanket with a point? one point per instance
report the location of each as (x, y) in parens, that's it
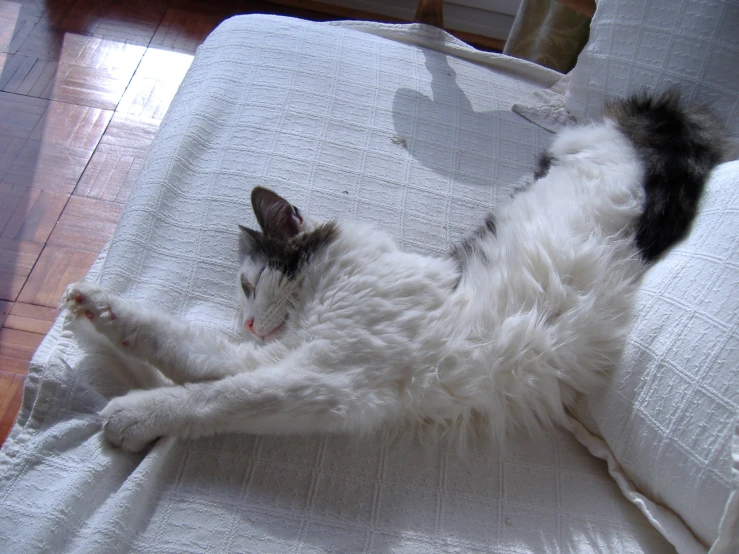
(446, 134)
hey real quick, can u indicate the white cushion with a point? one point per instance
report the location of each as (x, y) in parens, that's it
(670, 414)
(655, 45)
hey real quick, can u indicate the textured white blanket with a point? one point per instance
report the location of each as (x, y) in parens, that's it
(344, 123)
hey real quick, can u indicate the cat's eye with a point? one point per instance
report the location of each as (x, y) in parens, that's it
(247, 286)
(256, 282)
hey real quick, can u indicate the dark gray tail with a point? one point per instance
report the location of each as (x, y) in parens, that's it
(679, 147)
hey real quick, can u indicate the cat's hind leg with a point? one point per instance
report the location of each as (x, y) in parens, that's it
(181, 351)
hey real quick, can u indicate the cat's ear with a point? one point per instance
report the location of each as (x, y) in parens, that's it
(276, 216)
(249, 243)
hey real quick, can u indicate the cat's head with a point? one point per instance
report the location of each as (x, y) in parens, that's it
(274, 261)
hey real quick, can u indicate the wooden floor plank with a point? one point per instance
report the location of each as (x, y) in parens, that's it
(44, 84)
(14, 30)
(95, 71)
(11, 395)
(21, 67)
(72, 16)
(111, 174)
(56, 268)
(57, 149)
(118, 159)
(17, 259)
(86, 224)
(154, 84)
(132, 132)
(39, 41)
(27, 317)
(133, 21)
(5, 308)
(16, 349)
(20, 114)
(11, 197)
(76, 126)
(184, 31)
(35, 216)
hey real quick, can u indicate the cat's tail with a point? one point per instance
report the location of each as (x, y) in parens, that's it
(679, 147)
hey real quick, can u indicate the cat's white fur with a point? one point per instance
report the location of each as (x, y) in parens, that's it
(375, 336)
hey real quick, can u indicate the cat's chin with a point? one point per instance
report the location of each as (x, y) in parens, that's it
(272, 335)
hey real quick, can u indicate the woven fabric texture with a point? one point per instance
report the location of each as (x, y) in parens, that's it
(345, 124)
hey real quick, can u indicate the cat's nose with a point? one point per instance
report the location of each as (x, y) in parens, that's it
(249, 324)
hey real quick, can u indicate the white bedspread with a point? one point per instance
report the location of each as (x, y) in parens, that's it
(349, 124)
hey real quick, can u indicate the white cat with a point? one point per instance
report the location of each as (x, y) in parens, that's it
(530, 311)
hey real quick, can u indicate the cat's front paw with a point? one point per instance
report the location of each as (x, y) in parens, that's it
(128, 423)
(88, 300)
(108, 313)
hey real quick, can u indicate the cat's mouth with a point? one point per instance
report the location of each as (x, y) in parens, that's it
(274, 333)
(271, 335)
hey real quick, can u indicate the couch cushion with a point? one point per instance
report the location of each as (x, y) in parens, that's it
(670, 414)
(655, 45)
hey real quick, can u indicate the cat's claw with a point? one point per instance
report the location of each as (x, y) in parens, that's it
(126, 425)
(106, 312)
(88, 300)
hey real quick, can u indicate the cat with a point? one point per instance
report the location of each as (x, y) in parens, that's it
(353, 335)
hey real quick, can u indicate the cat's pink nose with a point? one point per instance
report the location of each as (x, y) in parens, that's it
(249, 324)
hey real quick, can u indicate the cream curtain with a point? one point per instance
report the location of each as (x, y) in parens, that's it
(548, 33)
